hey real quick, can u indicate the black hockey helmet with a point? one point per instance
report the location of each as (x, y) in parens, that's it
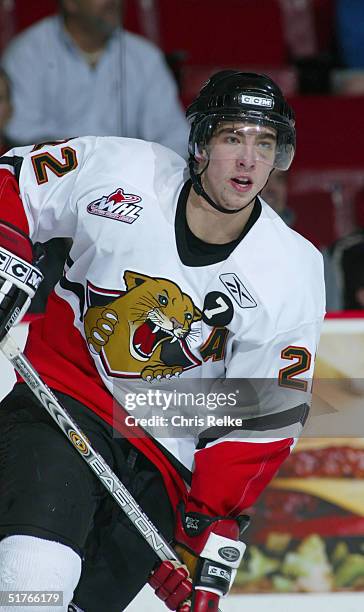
(231, 95)
(243, 96)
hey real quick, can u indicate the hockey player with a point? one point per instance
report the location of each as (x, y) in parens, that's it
(172, 274)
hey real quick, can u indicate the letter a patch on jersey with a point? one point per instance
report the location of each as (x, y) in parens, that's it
(237, 290)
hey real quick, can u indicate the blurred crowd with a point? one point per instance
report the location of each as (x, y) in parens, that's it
(77, 69)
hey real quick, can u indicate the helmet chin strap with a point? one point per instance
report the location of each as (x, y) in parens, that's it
(197, 185)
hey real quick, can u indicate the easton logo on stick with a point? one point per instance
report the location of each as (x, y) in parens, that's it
(78, 442)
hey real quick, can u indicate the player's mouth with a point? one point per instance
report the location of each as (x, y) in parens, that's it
(242, 184)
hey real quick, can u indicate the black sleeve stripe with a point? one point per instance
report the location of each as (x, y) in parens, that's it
(14, 161)
(278, 420)
(77, 289)
(69, 261)
(184, 472)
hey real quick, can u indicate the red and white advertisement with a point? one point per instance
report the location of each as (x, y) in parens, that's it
(308, 527)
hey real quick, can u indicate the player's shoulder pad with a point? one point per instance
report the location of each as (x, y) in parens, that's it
(137, 157)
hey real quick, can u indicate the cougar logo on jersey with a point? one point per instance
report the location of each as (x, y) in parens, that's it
(238, 291)
(146, 331)
(119, 206)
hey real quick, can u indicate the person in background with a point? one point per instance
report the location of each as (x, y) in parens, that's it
(80, 73)
(348, 257)
(348, 82)
(5, 109)
(276, 194)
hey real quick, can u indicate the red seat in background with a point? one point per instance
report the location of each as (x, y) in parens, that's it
(314, 217)
(26, 13)
(245, 32)
(329, 156)
(330, 132)
(193, 77)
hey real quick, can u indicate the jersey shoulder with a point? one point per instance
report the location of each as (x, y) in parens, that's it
(289, 240)
(143, 165)
(286, 268)
(135, 152)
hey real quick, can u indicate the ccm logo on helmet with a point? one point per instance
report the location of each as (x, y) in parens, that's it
(267, 102)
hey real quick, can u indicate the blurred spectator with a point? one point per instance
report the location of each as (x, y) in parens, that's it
(275, 194)
(348, 82)
(350, 32)
(79, 73)
(348, 256)
(5, 109)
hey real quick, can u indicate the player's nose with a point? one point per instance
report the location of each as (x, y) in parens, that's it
(246, 157)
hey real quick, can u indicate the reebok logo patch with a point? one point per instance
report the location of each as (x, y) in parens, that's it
(237, 290)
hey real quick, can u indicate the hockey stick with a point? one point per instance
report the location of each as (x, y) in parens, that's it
(102, 471)
(98, 465)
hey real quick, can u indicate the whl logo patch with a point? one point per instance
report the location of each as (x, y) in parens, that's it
(119, 206)
(238, 291)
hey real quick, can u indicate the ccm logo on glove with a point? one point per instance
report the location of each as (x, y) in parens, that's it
(219, 572)
(19, 270)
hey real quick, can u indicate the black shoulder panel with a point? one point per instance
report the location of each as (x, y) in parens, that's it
(14, 161)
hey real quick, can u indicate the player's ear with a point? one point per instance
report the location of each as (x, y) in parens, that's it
(133, 279)
(202, 156)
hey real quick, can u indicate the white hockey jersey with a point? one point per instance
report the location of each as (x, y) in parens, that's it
(138, 318)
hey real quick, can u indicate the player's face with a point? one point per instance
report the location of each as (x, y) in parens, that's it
(98, 15)
(241, 158)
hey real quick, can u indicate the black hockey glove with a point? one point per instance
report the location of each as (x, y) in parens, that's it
(212, 550)
(19, 278)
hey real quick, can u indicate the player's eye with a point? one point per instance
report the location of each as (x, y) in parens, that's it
(267, 145)
(163, 300)
(232, 139)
